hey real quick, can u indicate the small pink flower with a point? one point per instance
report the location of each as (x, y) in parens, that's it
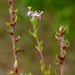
(29, 12)
(35, 14)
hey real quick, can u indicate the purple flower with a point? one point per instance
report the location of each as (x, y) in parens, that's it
(29, 12)
(35, 14)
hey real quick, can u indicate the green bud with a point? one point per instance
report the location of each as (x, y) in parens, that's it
(34, 21)
(62, 29)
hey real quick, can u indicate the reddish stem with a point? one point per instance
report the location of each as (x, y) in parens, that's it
(13, 37)
(62, 66)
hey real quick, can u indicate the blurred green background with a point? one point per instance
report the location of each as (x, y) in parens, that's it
(56, 13)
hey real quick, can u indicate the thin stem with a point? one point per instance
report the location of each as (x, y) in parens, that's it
(62, 66)
(13, 37)
(37, 41)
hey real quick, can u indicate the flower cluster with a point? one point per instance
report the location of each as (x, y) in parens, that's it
(35, 14)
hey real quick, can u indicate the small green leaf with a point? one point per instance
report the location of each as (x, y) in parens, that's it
(57, 58)
(15, 12)
(41, 43)
(8, 24)
(56, 73)
(41, 62)
(66, 43)
(36, 47)
(49, 67)
(11, 72)
(64, 53)
(17, 49)
(42, 68)
(31, 33)
(56, 63)
(56, 37)
(16, 19)
(67, 28)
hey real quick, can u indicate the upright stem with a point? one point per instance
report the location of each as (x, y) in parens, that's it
(37, 41)
(13, 38)
(62, 66)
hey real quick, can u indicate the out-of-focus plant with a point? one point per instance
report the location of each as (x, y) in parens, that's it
(12, 23)
(64, 43)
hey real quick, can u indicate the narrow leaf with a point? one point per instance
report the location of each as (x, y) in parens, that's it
(56, 73)
(49, 67)
(11, 72)
(41, 42)
(8, 24)
(36, 47)
(41, 62)
(31, 33)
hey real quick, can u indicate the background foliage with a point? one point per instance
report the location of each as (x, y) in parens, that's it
(56, 13)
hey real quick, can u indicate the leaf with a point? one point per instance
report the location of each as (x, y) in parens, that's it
(8, 24)
(56, 73)
(41, 43)
(36, 47)
(56, 63)
(16, 19)
(42, 68)
(67, 28)
(11, 72)
(64, 53)
(57, 58)
(31, 33)
(66, 43)
(56, 37)
(49, 67)
(17, 39)
(15, 12)
(41, 62)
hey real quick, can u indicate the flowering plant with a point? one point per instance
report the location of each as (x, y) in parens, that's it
(34, 19)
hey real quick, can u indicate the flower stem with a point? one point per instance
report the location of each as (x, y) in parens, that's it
(40, 51)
